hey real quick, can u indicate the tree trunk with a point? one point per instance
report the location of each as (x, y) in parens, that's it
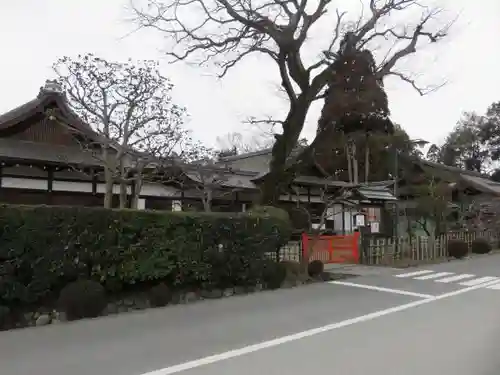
(108, 177)
(123, 186)
(123, 194)
(207, 200)
(355, 169)
(349, 162)
(277, 176)
(134, 199)
(108, 191)
(367, 159)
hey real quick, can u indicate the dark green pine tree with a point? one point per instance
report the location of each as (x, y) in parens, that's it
(355, 106)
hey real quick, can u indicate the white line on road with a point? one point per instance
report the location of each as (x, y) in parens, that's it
(381, 289)
(300, 335)
(452, 279)
(479, 281)
(433, 276)
(494, 286)
(416, 273)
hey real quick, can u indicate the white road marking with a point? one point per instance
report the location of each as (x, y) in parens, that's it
(416, 273)
(433, 276)
(480, 281)
(300, 335)
(494, 286)
(381, 289)
(452, 279)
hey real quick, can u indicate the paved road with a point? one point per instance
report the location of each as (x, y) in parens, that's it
(321, 328)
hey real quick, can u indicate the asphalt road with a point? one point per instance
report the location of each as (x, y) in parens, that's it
(321, 328)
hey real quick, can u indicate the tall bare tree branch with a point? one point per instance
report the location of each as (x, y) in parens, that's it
(224, 32)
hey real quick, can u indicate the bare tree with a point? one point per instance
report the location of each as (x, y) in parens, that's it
(227, 31)
(210, 180)
(243, 144)
(131, 108)
(239, 143)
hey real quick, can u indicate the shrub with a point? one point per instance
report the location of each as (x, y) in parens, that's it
(271, 211)
(82, 299)
(43, 248)
(457, 248)
(160, 295)
(274, 274)
(300, 219)
(315, 268)
(480, 246)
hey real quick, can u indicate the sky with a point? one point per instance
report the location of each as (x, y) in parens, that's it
(34, 33)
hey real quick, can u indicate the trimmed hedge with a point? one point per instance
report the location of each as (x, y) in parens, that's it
(43, 248)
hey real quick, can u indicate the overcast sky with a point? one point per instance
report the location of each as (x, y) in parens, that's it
(34, 33)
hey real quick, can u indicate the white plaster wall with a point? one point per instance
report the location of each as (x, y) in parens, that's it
(24, 183)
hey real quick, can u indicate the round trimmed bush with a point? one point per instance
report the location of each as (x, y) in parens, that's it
(274, 275)
(457, 248)
(160, 295)
(480, 246)
(82, 299)
(315, 268)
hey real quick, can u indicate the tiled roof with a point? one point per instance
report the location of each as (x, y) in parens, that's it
(39, 105)
(35, 151)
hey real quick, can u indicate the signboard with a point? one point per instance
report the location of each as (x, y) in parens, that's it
(360, 220)
(375, 227)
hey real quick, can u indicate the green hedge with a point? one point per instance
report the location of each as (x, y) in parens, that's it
(43, 248)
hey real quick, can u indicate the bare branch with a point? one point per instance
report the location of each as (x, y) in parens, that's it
(225, 32)
(421, 90)
(269, 120)
(387, 66)
(130, 108)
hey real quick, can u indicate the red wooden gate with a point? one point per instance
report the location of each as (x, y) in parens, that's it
(331, 249)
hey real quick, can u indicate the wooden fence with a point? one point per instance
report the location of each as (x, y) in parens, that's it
(416, 250)
(402, 251)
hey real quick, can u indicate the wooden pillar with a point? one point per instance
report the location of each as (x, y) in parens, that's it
(50, 179)
(343, 218)
(1, 192)
(50, 185)
(236, 201)
(94, 181)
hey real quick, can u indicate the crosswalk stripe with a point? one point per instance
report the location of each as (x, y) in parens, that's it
(452, 279)
(411, 274)
(433, 276)
(494, 286)
(481, 280)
